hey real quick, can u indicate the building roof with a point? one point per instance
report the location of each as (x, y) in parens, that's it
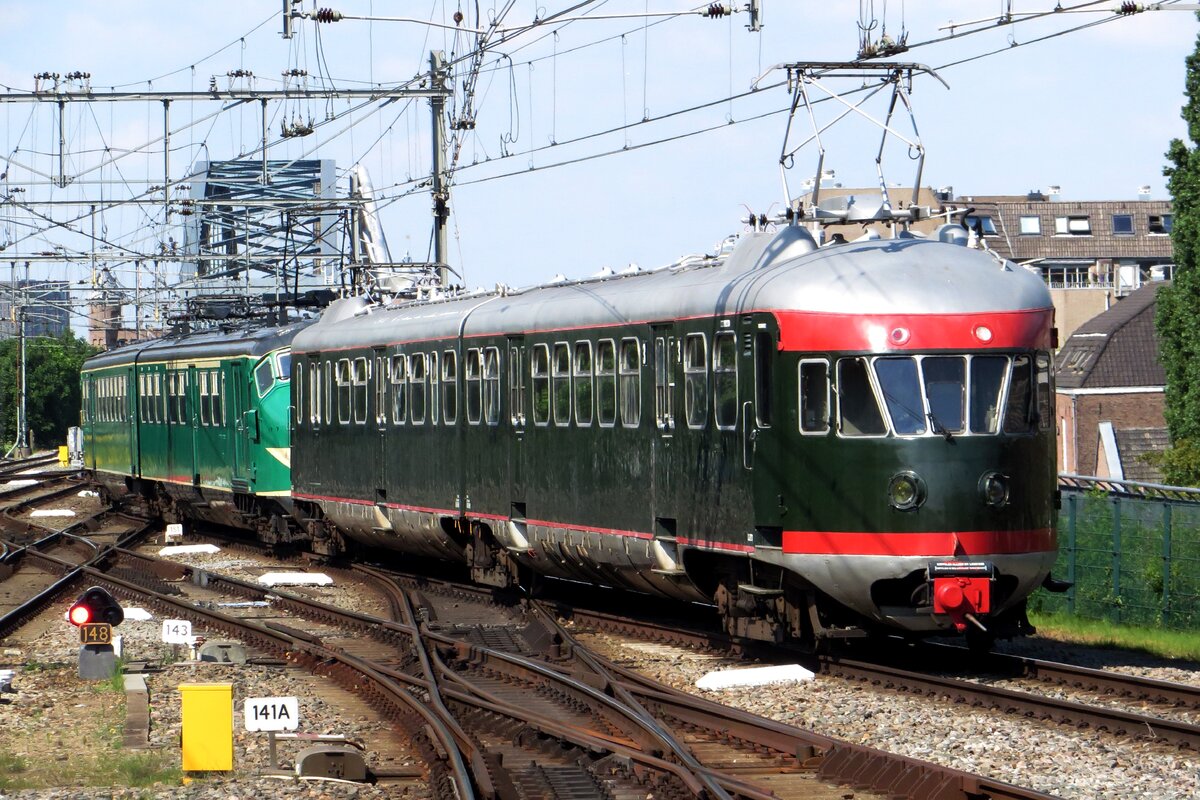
(1135, 445)
(1089, 233)
(1118, 348)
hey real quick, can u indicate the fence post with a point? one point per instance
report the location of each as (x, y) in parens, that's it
(1072, 511)
(1166, 568)
(1116, 556)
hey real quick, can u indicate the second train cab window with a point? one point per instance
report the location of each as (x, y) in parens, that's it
(473, 374)
(725, 389)
(491, 386)
(814, 396)
(263, 379)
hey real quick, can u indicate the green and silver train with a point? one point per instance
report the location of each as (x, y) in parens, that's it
(819, 441)
(196, 423)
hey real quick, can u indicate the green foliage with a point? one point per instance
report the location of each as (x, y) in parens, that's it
(1176, 319)
(1101, 633)
(52, 397)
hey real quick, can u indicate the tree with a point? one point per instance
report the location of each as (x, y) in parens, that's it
(1178, 305)
(52, 396)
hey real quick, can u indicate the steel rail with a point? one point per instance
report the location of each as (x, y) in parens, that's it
(1120, 723)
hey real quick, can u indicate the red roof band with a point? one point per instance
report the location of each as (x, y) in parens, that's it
(998, 330)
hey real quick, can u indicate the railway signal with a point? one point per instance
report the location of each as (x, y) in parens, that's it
(96, 605)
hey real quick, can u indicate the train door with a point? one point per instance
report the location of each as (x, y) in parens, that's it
(760, 355)
(131, 417)
(665, 358)
(192, 419)
(381, 374)
(245, 423)
(89, 421)
(518, 363)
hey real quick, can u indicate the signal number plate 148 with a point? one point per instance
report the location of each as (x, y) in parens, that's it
(95, 633)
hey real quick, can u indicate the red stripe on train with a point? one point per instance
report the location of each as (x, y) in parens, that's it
(806, 330)
(967, 543)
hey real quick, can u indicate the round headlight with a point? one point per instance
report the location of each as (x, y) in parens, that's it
(906, 491)
(994, 488)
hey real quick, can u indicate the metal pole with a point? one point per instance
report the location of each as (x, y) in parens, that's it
(1116, 555)
(166, 163)
(1166, 567)
(441, 204)
(265, 179)
(62, 144)
(1072, 516)
(22, 419)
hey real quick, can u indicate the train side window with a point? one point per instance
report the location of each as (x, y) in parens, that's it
(814, 396)
(945, 388)
(491, 386)
(695, 380)
(416, 385)
(560, 379)
(314, 393)
(516, 387)
(901, 389)
(399, 390)
(858, 408)
(382, 379)
(450, 386)
(581, 376)
(474, 376)
(435, 386)
(156, 393)
(141, 397)
(263, 379)
(205, 406)
(630, 373)
(606, 383)
(1019, 410)
(725, 401)
(358, 376)
(986, 388)
(1045, 392)
(540, 372)
(299, 394)
(327, 401)
(764, 355)
(342, 378)
(216, 385)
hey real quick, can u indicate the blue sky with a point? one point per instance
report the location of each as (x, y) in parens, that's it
(1091, 111)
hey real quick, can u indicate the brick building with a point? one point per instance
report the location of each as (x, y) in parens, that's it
(1110, 393)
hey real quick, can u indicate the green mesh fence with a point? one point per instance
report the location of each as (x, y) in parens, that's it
(1132, 560)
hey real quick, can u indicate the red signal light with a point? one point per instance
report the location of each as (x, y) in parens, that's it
(95, 605)
(79, 614)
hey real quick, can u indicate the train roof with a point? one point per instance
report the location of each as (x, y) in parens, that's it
(765, 272)
(249, 340)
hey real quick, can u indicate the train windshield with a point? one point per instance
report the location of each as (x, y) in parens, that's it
(943, 395)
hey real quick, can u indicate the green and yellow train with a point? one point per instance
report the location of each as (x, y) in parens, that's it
(196, 423)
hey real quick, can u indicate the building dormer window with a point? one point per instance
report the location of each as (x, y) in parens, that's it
(1076, 225)
(1122, 224)
(1161, 223)
(1031, 226)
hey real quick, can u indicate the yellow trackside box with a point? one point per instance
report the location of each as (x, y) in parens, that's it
(207, 726)
(64, 457)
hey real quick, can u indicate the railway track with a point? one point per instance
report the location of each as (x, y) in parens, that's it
(501, 702)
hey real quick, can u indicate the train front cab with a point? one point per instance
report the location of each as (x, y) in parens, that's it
(913, 485)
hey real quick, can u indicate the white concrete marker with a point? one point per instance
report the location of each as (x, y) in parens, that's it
(295, 579)
(19, 483)
(754, 676)
(137, 614)
(52, 512)
(180, 549)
